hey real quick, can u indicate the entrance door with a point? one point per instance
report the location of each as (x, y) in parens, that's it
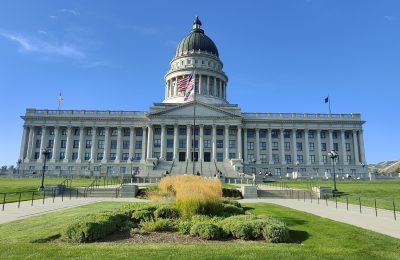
(182, 156)
(196, 156)
(207, 156)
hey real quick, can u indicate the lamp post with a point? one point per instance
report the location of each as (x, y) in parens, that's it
(132, 159)
(298, 166)
(19, 165)
(45, 152)
(333, 155)
(89, 165)
(254, 165)
(363, 166)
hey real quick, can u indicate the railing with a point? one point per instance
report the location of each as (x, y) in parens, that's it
(301, 116)
(47, 112)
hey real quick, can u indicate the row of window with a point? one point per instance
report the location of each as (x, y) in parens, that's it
(288, 158)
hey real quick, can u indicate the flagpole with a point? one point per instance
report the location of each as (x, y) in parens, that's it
(194, 123)
(329, 104)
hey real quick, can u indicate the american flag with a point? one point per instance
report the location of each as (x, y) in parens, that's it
(60, 100)
(186, 82)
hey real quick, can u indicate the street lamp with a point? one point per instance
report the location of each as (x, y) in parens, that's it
(19, 165)
(333, 155)
(89, 165)
(363, 166)
(298, 166)
(46, 153)
(254, 165)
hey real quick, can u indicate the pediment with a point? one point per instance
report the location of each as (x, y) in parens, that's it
(202, 110)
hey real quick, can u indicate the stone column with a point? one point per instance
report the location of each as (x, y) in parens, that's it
(55, 144)
(42, 143)
(245, 151)
(257, 145)
(362, 151)
(226, 141)
(201, 142)
(355, 144)
(282, 146)
(150, 142)
(119, 145)
(208, 86)
(176, 140)
(68, 145)
(239, 142)
(319, 153)
(343, 147)
(106, 145)
(31, 140)
(131, 143)
(294, 145)
(144, 134)
(307, 147)
(93, 149)
(270, 160)
(330, 140)
(81, 156)
(24, 142)
(188, 139)
(214, 142)
(199, 84)
(163, 144)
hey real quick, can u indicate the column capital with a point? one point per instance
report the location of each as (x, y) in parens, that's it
(227, 126)
(144, 127)
(201, 125)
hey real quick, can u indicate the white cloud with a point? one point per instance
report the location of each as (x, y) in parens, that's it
(52, 17)
(42, 32)
(70, 11)
(389, 18)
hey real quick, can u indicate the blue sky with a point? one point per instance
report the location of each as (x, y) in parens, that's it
(280, 56)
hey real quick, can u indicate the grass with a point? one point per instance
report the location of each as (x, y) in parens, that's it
(384, 191)
(314, 238)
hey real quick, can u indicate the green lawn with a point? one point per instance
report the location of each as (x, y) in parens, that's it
(314, 238)
(384, 191)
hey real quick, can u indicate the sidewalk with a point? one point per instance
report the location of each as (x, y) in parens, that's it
(12, 212)
(384, 223)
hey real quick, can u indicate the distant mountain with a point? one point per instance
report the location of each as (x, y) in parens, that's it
(385, 167)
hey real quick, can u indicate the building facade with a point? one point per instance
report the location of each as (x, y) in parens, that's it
(161, 139)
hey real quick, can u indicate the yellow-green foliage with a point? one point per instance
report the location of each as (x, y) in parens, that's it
(192, 194)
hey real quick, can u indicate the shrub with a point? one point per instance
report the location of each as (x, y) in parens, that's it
(232, 202)
(158, 225)
(167, 211)
(230, 209)
(184, 226)
(276, 231)
(231, 193)
(206, 231)
(142, 215)
(206, 219)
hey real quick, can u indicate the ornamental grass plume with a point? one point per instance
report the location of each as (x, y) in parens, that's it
(191, 194)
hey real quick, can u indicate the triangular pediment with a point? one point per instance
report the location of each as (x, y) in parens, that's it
(186, 110)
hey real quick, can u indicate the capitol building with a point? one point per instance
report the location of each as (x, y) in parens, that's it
(163, 138)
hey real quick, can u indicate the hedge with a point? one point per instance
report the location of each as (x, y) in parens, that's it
(206, 231)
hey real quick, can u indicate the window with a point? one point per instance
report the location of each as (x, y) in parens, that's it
(312, 158)
(300, 158)
(125, 144)
(346, 135)
(88, 144)
(37, 145)
(220, 157)
(348, 158)
(138, 144)
(102, 132)
(286, 134)
(263, 133)
(334, 135)
(51, 131)
(207, 144)
(51, 144)
(250, 145)
(170, 156)
(287, 146)
(122, 169)
(323, 147)
(139, 132)
(100, 144)
(278, 171)
(39, 131)
(125, 156)
(347, 147)
(89, 132)
(298, 134)
(112, 156)
(87, 156)
(76, 143)
(36, 156)
(335, 146)
(170, 143)
(274, 134)
(324, 158)
(182, 143)
(323, 134)
(250, 157)
(74, 156)
(275, 158)
(220, 144)
(196, 144)
(182, 131)
(232, 132)
(114, 132)
(157, 143)
(299, 146)
(63, 143)
(100, 156)
(157, 131)
(207, 131)
(64, 131)
(288, 158)
(138, 156)
(170, 131)
(220, 131)
(311, 147)
(274, 145)
(62, 155)
(250, 133)
(127, 132)
(232, 143)
(232, 155)
(310, 134)
(263, 158)
(113, 144)
(76, 131)
(263, 145)
(156, 155)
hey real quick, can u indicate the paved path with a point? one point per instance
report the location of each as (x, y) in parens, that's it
(384, 223)
(12, 212)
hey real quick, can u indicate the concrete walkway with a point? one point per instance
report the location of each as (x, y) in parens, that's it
(12, 212)
(384, 223)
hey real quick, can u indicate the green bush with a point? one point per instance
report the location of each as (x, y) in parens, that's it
(232, 202)
(206, 219)
(230, 209)
(158, 225)
(142, 215)
(206, 231)
(167, 211)
(231, 193)
(184, 226)
(276, 231)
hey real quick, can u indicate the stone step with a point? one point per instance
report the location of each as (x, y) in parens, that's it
(286, 194)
